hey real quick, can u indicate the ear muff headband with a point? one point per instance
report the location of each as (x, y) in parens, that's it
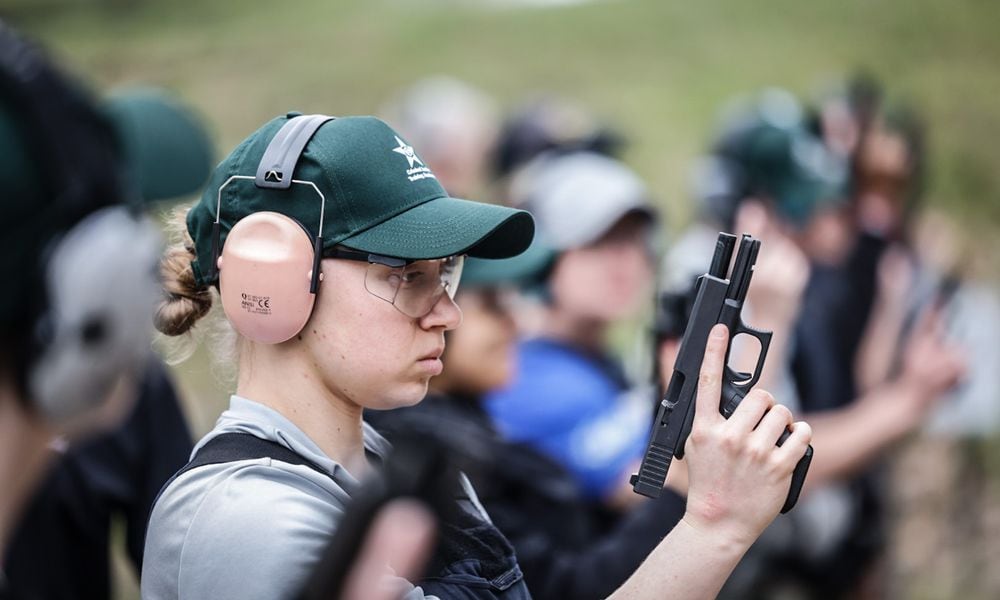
(275, 170)
(275, 310)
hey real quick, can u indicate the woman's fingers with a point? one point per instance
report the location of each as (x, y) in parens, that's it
(396, 548)
(795, 446)
(777, 419)
(751, 410)
(710, 378)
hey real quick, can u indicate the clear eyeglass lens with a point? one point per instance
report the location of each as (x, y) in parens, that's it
(417, 287)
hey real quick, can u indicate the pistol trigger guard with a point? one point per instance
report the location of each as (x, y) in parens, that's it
(764, 338)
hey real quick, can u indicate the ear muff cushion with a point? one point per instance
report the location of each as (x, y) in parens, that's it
(264, 275)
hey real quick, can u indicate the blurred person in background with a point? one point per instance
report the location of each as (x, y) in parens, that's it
(61, 548)
(768, 175)
(568, 397)
(548, 124)
(455, 126)
(560, 541)
(78, 260)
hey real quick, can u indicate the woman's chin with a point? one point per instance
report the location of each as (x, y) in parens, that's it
(409, 396)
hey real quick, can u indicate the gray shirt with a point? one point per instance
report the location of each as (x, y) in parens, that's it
(250, 528)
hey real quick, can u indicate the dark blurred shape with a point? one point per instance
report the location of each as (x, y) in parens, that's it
(62, 548)
(551, 124)
(79, 259)
(673, 309)
(422, 466)
(75, 244)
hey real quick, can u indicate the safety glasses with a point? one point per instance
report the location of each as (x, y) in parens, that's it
(413, 287)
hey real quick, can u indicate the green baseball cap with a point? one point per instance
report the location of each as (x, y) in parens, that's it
(767, 149)
(166, 148)
(372, 193)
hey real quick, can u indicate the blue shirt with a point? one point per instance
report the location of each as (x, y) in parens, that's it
(572, 407)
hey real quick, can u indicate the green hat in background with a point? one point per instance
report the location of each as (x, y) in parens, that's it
(765, 149)
(160, 149)
(164, 148)
(164, 144)
(524, 270)
(377, 197)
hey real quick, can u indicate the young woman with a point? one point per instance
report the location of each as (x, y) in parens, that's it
(391, 245)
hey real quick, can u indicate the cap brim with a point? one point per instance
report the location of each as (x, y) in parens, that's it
(166, 147)
(607, 217)
(447, 227)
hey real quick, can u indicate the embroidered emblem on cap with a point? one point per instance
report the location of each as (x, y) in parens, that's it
(413, 173)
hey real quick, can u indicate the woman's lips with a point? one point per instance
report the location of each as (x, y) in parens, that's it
(433, 365)
(431, 362)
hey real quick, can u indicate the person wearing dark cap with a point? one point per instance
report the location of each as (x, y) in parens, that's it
(337, 255)
(761, 180)
(547, 123)
(77, 260)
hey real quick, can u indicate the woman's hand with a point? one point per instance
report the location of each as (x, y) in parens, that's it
(931, 367)
(739, 478)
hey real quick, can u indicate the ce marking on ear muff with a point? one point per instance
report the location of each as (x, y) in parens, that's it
(258, 305)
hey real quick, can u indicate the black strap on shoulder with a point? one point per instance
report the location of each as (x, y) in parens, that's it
(232, 447)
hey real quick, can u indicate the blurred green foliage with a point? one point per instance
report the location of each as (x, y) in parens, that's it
(658, 69)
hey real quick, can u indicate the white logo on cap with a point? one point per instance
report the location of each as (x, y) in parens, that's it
(407, 151)
(413, 173)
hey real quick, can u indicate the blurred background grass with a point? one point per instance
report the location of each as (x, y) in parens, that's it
(658, 70)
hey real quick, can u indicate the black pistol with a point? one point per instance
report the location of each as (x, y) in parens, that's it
(717, 300)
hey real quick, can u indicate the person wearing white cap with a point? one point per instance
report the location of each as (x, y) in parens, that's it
(569, 399)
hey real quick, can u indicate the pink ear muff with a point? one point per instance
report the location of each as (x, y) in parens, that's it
(265, 271)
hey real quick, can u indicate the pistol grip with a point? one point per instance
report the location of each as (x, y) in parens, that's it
(798, 475)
